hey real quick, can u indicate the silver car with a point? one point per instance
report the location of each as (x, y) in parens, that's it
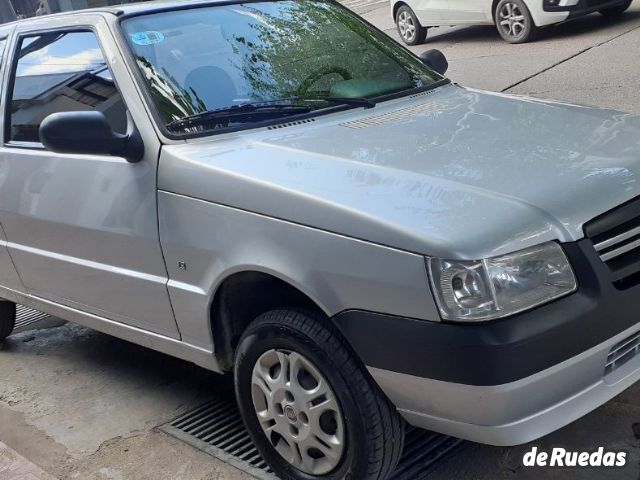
(279, 190)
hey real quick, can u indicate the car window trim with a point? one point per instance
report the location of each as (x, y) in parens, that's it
(15, 58)
(3, 57)
(4, 38)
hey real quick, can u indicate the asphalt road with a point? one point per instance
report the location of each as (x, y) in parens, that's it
(589, 61)
(82, 405)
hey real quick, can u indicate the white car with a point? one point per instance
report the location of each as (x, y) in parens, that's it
(516, 20)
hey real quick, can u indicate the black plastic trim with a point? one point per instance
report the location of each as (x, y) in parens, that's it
(500, 351)
(581, 8)
(624, 269)
(612, 219)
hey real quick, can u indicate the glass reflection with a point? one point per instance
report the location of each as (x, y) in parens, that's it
(218, 57)
(61, 72)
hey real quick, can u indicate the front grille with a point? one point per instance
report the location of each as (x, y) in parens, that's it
(596, 3)
(616, 238)
(622, 352)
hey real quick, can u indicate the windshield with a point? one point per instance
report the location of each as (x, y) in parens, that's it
(225, 58)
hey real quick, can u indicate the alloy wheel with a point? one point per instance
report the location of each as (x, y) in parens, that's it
(298, 411)
(512, 20)
(406, 26)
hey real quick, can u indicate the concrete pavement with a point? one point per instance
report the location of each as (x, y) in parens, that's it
(16, 467)
(588, 61)
(82, 405)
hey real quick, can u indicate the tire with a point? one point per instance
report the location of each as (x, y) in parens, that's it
(615, 11)
(409, 28)
(358, 425)
(7, 318)
(514, 22)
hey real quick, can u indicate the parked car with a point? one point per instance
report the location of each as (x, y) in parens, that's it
(517, 21)
(279, 190)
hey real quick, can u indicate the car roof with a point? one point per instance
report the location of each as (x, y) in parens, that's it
(138, 8)
(145, 7)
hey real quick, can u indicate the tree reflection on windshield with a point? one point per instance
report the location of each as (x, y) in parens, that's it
(215, 57)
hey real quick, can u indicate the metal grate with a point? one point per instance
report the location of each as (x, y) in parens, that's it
(622, 352)
(291, 124)
(216, 428)
(26, 317)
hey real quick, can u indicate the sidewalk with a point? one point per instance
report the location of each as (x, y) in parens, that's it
(362, 7)
(571, 61)
(375, 12)
(15, 467)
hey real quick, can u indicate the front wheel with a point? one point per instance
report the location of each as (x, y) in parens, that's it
(615, 11)
(309, 406)
(7, 318)
(514, 21)
(409, 28)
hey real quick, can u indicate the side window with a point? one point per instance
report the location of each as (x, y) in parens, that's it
(61, 72)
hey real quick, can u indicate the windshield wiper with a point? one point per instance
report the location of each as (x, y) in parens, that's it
(265, 108)
(250, 110)
(355, 101)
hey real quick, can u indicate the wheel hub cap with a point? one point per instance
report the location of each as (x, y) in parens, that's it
(298, 411)
(406, 26)
(290, 413)
(512, 20)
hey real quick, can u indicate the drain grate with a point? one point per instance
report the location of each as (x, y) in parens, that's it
(216, 428)
(422, 450)
(26, 317)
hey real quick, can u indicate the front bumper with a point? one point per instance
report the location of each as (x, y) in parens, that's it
(515, 412)
(508, 381)
(578, 8)
(544, 14)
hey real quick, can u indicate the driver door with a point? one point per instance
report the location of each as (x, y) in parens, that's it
(81, 229)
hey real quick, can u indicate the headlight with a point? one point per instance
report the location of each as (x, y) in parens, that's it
(477, 290)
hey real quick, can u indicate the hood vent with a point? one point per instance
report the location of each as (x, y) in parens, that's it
(394, 116)
(291, 124)
(421, 94)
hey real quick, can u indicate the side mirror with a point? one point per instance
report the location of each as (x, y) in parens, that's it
(89, 133)
(435, 60)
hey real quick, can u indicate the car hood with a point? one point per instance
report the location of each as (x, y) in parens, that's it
(453, 172)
